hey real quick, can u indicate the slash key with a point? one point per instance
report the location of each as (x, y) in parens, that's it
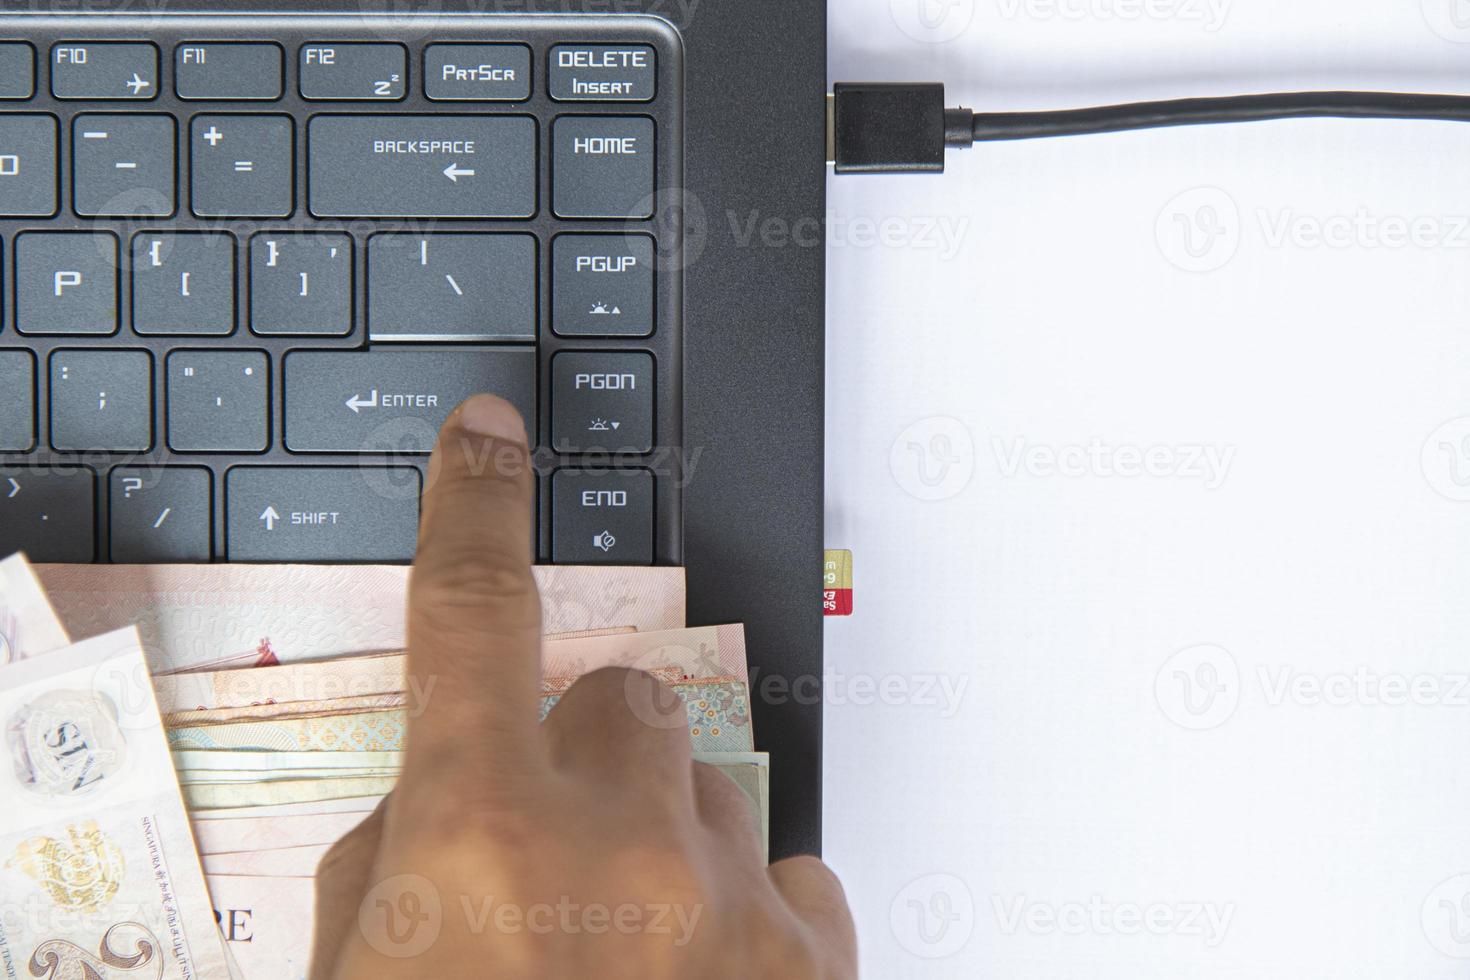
(159, 514)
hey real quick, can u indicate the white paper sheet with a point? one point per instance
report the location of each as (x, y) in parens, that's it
(1036, 793)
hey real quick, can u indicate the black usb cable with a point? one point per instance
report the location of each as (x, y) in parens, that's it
(906, 128)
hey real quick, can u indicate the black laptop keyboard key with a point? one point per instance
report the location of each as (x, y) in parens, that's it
(66, 282)
(250, 262)
(477, 72)
(393, 166)
(394, 401)
(242, 166)
(602, 403)
(17, 400)
(28, 166)
(602, 517)
(228, 71)
(452, 287)
(48, 512)
(184, 284)
(218, 401)
(603, 72)
(353, 72)
(104, 70)
(123, 165)
(101, 400)
(602, 166)
(307, 513)
(301, 284)
(17, 70)
(160, 514)
(602, 285)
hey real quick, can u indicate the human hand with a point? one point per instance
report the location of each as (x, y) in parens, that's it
(590, 846)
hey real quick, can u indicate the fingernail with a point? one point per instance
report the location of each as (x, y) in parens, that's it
(486, 415)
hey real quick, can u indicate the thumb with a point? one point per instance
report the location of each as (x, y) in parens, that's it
(341, 881)
(815, 896)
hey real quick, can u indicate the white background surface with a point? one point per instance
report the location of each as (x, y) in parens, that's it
(1062, 813)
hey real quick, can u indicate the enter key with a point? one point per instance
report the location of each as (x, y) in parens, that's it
(395, 401)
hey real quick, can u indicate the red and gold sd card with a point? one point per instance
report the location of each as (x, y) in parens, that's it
(837, 583)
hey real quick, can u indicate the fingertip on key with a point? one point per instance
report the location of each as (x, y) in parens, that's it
(492, 417)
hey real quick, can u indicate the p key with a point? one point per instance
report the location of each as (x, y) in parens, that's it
(66, 282)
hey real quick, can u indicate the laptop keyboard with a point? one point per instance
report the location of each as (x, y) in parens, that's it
(251, 263)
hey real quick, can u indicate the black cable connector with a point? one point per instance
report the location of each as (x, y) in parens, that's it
(880, 128)
(905, 128)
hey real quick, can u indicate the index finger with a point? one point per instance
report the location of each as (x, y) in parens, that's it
(474, 616)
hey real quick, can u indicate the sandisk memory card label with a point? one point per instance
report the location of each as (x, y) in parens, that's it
(837, 583)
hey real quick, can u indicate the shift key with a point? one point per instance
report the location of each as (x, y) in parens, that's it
(322, 513)
(394, 401)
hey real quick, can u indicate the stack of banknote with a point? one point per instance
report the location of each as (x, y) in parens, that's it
(180, 776)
